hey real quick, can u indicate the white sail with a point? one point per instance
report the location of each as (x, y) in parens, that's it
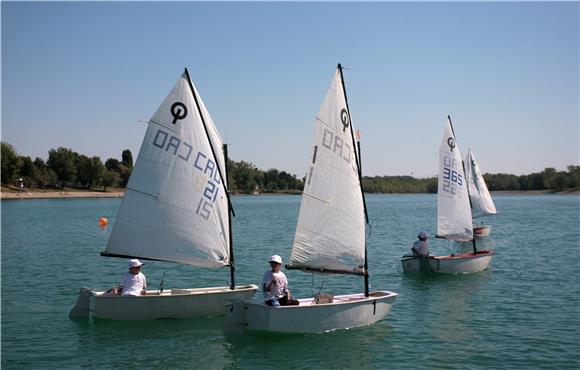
(481, 201)
(330, 234)
(175, 207)
(453, 210)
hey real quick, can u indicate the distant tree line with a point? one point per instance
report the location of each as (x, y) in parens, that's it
(399, 184)
(245, 178)
(66, 168)
(548, 179)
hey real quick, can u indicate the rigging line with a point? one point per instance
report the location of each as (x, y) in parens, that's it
(224, 180)
(357, 158)
(356, 154)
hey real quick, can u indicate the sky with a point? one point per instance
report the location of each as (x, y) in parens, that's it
(83, 75)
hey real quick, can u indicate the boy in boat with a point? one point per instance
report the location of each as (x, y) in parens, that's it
(133, 282)
(421, 247)
(275, 285)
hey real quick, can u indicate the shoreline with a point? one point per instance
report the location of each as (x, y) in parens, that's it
(60, 194)
(9, 193)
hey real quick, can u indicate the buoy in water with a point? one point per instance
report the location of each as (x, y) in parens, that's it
(103, 222)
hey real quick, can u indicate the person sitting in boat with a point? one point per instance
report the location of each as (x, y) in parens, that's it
(421, 247)
(275, 285)
(133, 281)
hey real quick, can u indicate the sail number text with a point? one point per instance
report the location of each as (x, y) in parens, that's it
(208, 182)
(452, 179)
(335, 144)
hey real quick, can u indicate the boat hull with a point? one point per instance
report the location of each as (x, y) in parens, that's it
(346, 311)
(481, 231)
(174, 303)
(453, 264)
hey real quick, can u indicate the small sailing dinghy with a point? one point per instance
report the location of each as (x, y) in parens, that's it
(176, 208)
(481, 202)
(330, 235)
(454, 220)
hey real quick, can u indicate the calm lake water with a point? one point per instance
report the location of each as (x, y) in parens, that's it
(523, 312)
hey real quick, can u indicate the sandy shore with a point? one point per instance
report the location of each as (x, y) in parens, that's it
(59, 194)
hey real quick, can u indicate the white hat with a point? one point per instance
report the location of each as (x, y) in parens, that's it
(422, 235)
(276, 258)
(135, 263)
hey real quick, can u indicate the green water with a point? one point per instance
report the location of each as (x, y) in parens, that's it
(523, 312)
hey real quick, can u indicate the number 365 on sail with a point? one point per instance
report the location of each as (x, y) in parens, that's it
(452, 179)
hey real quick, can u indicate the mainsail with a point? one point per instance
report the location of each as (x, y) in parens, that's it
(330, 235)
(453, 210)
(481, 201)
(175, 206)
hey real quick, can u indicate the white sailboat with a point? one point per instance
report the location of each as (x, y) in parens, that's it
(454, 220)
(176, 208)
(330, 235)
(481, 201)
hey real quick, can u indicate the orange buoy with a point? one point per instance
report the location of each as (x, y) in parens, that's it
(103, 222)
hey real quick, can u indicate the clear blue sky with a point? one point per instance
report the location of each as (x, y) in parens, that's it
(81, 75)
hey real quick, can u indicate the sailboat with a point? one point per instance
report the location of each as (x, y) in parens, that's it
(330, 234)
(454, 221)
(482, 204)
(176, 208)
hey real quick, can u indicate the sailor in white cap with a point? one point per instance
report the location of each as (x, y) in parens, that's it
(421, 247)
(133, 281)
(275, 285)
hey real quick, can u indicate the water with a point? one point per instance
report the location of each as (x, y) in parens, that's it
(523, 312)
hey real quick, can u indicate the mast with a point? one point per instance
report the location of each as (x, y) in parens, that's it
(230, 210)
(356, 155)
(465, 179)
(224, 179)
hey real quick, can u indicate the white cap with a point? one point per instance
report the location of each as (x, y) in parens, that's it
(135, 263)
(422, 235)
(276, 258)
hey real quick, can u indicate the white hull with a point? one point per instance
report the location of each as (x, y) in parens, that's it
(174, 303)
(454, 264)
(346, 311)
(481, 231)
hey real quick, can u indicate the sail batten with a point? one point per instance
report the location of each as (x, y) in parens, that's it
(454, 220)
(481, 201)
(330, 234)
(175, 208)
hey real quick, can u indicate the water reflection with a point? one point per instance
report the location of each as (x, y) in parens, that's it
(357, 348)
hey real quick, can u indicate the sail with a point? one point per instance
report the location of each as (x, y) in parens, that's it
(330, 234)
(175, 207)
(453, 210)
(481, 201)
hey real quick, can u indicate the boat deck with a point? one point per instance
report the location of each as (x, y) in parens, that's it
(465, 255)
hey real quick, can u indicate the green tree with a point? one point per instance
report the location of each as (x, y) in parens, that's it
(28, 171)
(89, 170)
(62, 162)
(45, 176)
(124, 174)
(112, 164)
(109, 178)
(127, 159)
(10, 163)
(245, 176)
